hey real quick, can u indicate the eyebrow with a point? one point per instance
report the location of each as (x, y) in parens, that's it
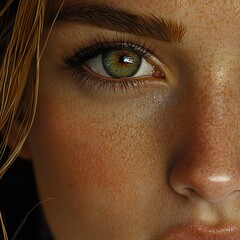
(115, 19)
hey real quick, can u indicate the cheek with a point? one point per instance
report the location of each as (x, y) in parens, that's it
(103, 165)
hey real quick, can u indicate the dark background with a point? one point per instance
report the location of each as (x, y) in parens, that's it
(18, 196)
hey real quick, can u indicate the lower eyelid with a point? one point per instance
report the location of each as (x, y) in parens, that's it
(94, 83)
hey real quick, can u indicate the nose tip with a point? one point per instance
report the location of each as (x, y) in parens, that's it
(211, 184)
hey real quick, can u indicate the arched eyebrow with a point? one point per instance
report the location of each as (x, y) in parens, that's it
(115, 19)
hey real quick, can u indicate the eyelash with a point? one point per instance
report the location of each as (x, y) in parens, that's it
(74, 62)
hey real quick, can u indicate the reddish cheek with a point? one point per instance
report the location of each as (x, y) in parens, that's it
(73, 158)
(76, 166)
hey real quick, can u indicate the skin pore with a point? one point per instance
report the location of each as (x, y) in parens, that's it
(136, 163)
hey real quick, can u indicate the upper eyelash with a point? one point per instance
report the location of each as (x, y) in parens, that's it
(82, 54)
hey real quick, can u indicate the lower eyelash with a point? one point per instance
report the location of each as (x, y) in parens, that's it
(91, 83)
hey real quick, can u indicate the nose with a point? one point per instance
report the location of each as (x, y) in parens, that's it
(210, 179)
(209, 164)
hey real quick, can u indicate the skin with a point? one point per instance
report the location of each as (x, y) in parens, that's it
(135, 165)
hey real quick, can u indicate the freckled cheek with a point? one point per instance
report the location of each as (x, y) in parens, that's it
(71, 155)
(107, 161)
(92, 169)
(82, 160)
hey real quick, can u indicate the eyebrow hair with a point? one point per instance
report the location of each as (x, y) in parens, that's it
(115, 19)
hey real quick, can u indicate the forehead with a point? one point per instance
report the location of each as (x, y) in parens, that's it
(213, 7)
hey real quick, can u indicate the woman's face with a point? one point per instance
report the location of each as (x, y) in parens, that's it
(137, 129)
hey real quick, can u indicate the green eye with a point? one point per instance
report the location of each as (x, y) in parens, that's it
(121, 63)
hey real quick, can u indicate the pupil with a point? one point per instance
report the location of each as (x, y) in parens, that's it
(124, 59)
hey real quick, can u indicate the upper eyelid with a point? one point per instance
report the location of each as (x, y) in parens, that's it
(97, 45)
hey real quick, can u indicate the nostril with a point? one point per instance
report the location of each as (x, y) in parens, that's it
(212, 188)
(181, 187)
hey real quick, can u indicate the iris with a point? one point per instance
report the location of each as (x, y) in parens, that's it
(121, 63)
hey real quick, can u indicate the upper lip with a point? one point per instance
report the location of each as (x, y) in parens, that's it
(199, 231)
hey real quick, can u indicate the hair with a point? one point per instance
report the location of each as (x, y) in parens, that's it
(21, 26)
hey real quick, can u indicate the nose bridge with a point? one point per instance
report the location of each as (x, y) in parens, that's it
(213, 120)
(214, 108)
(209, 166)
